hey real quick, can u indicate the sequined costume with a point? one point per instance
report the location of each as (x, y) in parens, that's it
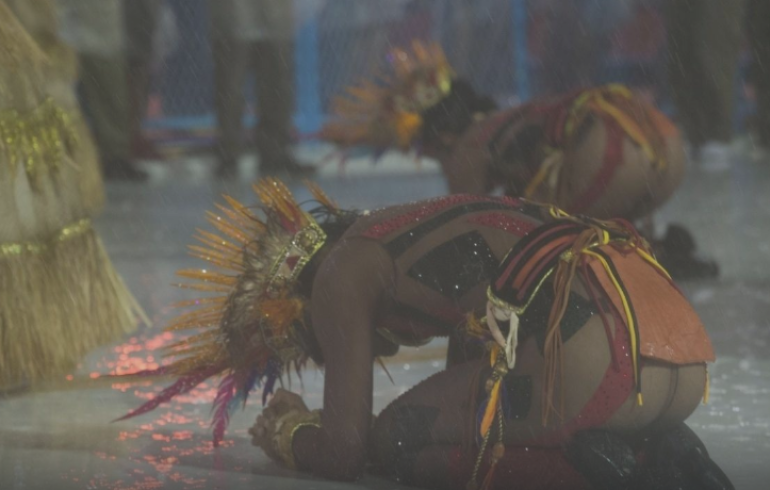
(588, 301)
(60, 296)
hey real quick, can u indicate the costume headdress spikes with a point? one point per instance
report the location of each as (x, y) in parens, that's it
(385, 112)
(252, 332)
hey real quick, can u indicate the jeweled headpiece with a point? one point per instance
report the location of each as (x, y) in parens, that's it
(386, 112)
(253, 331)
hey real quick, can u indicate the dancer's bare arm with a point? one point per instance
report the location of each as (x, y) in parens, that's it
(347, 293)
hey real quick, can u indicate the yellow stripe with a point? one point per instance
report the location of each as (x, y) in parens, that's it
(620, 89)
(494, 395)
(627, 311)
(631, 128)
(489, 413)
(537, 181)
(651, 260)
(558, 213)
(628, 125)
(580, 101)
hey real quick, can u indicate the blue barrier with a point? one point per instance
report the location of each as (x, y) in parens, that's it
(308, 117)
(186, 85)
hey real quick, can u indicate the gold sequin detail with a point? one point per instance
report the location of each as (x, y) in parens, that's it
(70, 231)
(38, 139)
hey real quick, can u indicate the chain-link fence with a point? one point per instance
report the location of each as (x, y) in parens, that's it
(510, 49)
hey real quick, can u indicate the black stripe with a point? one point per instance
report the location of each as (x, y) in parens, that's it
(406, 240)
(633, 317)
(526, 241)
(534, 321)
(534, 250)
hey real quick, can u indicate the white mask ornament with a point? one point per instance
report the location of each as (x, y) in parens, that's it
(508, 344)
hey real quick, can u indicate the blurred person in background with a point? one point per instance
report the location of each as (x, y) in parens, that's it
(60, 296)
(578, 39)
(638, 50)
(353, 37)
(482, 26)
(95, 29)
(256, 33)
(759, 72)
(704, 40)
(141, 19)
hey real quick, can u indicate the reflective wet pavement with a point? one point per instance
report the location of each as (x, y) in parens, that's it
(60, 436)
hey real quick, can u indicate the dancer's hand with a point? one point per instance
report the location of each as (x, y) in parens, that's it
(282, 402)
(264, 432)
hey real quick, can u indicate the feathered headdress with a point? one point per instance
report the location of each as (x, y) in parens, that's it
(253, 331)
(385, 112)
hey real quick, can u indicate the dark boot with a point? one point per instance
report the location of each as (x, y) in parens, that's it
(227, 169)
(676, 252)
(284, 166)
(604, 459)
(123, 170)
(678, 460)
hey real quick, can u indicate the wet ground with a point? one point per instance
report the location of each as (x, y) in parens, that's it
(60, 436)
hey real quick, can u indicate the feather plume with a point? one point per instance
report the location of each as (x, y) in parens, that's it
(249, 328)
(221, 408)
(181, 386)
(384, 112)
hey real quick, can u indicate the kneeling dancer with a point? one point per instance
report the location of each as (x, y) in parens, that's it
(580, 373)
(600, 151)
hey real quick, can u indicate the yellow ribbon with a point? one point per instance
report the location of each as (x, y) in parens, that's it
(494, 396)
(595, 100)
(629, 317)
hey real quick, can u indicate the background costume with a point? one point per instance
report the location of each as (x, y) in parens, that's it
(704, 41)
(95, 29)
(256, 33)
(599, 151)
(60, 296)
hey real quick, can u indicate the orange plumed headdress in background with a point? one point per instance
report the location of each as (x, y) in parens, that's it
(385, 112)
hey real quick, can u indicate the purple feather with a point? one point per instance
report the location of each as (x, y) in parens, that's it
(180, 386)
(272, 373)
(221, 416)
(268, 388)
(242, 394)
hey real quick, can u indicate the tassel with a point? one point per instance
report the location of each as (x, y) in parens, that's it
(487, 483)
(512, 341)
(489, 412)
(509, 343)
